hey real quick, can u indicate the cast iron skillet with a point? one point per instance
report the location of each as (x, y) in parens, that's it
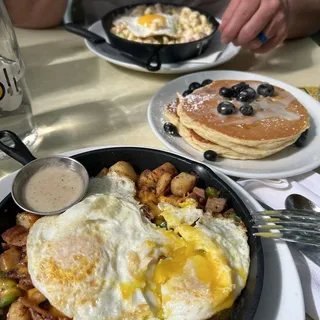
(143, 158)
(149, 56)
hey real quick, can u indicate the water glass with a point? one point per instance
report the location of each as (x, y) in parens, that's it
(15, 107)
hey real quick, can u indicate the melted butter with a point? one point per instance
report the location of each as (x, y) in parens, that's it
(53, 188)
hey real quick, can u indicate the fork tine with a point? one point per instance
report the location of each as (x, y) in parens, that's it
(290, 238)
(299, 224)
(291, 225)
(282, 228)
(284, 211)
(273, 216)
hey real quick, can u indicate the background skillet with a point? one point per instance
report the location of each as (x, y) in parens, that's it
(157, 53)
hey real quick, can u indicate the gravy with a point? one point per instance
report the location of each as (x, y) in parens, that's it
(52, 188)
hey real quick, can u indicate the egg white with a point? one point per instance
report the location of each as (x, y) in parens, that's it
(233, 240)
(175, 216)
(113, 184)
(143, 31)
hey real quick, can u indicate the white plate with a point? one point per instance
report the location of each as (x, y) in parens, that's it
(289, 162)
(282, 296)
(215, 55)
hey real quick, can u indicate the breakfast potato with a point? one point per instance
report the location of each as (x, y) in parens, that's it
(35, 296)
(166, 167)
(124, 169)
(5, 246)
(26, 219)
(9, 259)
(56, 313)
(163, 184)
(36, 311)
(103, 173)
(20, 273)
(183, 183)
(16, 236)
(18, 311)
(146, 178)
(146, 195)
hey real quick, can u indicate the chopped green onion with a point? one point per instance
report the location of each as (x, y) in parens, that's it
(211, 192)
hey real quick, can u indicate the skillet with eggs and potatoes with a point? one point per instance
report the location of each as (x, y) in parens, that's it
(117, 255)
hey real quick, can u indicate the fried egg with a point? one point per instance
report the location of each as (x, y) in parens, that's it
(83, 259)
(102, 259)
(150, 25)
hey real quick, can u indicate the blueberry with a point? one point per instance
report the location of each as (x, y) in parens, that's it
(210, 155)
(240, 87)
(226, 107)
(186, 93)
(194, 85)
(206, 82)
(226, 92)
(246, 110)
(170, 129)
(266, 90)
(301, 142)
(246, 95)
(251, 92)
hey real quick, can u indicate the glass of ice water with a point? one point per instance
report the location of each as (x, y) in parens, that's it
(15, 107)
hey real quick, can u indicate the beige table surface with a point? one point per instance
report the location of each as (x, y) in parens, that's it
(80, 100)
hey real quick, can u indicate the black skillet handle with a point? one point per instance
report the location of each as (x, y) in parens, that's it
(152, 64)
(83, 32)
(19, 151)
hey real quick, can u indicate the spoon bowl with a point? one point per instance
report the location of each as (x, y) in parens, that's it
(299, 202)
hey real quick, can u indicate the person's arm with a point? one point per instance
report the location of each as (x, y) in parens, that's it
(36, 14)
(304, 18)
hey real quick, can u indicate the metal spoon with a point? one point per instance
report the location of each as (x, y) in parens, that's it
(299, 202)
(19, 152)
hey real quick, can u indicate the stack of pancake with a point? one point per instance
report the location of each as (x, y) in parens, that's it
(277, 122)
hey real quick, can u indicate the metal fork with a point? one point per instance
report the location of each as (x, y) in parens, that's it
(290, 225)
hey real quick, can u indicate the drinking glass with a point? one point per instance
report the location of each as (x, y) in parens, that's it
(15, 107)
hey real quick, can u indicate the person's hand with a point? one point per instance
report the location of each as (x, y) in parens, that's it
(244, 20)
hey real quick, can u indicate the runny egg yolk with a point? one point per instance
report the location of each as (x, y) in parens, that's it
(128, 288)
(204, 257)
(208, 262)
(146, 20)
